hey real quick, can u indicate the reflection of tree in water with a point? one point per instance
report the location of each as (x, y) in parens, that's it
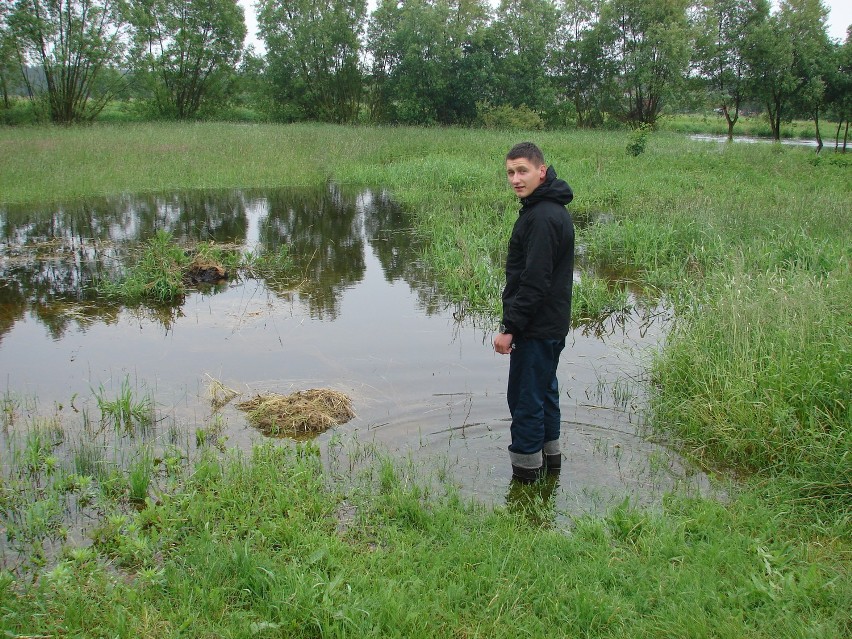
(322, 231)
(129, 219)
(51, 255)
(399, 249)
(48, 280)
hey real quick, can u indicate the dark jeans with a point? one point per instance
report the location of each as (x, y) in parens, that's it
(533, 394)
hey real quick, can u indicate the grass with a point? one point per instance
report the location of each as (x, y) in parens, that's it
(125, 411)
(758, 377)
(748, 243)
(165, 271)
(157, 276)
(255, 547)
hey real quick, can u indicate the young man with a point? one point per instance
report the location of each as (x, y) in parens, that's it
(536, 310)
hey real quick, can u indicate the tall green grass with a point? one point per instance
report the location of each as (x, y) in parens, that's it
(757, 375)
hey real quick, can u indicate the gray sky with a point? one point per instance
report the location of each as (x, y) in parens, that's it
(839, 17)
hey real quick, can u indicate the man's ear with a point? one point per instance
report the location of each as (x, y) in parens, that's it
(542, 171)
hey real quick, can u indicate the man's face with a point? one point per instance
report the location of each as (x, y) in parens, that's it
(524, 176)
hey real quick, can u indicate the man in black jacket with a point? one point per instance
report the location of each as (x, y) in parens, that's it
(536, 309)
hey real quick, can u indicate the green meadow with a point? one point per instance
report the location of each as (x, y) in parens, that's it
(748, 245)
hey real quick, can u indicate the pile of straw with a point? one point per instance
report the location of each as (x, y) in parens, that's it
(301, 414)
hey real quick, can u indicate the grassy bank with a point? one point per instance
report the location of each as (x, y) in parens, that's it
(749, 243)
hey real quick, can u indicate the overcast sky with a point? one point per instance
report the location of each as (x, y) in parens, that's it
(839, 17)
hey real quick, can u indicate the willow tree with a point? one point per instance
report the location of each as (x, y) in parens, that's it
(586, 77)
(8, 55)
(839, 91)
(69, 50)
(185, 52)
(527, 30)
(786, 56)
(431, 60)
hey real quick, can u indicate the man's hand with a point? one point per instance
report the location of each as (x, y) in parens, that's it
(503, 343)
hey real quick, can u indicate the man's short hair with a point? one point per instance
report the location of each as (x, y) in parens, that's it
(528, 151)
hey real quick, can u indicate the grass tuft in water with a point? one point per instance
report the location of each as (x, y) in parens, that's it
(125, 411)
(594, 300)
(140, 475)
(157, 276)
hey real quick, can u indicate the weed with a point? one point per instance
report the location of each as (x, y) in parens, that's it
(638, 140)
(156, 276)
(125, 411)
(140, 475)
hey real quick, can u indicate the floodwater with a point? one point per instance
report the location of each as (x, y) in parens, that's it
(751, 139)
(363, 318)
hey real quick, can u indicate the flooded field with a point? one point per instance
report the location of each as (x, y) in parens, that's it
(360, 316)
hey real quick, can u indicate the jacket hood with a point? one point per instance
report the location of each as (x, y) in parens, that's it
(553, 189)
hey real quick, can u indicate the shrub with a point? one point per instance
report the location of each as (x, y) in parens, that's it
(507, 117)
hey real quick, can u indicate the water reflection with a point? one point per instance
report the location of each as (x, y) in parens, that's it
(52, 255)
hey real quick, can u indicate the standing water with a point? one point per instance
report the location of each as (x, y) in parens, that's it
(363, 317)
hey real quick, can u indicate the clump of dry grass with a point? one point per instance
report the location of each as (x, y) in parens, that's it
(300, 414)
(219, 393)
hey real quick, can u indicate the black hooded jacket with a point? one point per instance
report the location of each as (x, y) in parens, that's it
(540, 264)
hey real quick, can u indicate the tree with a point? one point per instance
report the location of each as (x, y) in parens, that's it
(72, 43)
(313, 49)
(586, 78)
(525, 67)
(8, 55)
(650, 45)
(432, 60)
(723, 29)
(405, 40)
(805, 24)
(785, 54)
(185, 51)
(838, 94)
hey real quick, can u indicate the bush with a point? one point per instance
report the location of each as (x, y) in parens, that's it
(638, 140)
(506, 117)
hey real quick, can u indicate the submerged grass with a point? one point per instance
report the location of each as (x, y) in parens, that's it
(126, 412)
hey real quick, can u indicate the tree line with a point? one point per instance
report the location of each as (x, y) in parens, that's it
(530, 63)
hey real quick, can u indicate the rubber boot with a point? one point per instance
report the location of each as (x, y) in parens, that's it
(525, 475)
(552, 457)
(526, 468)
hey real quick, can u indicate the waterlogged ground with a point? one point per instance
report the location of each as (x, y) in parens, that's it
(361, 317)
